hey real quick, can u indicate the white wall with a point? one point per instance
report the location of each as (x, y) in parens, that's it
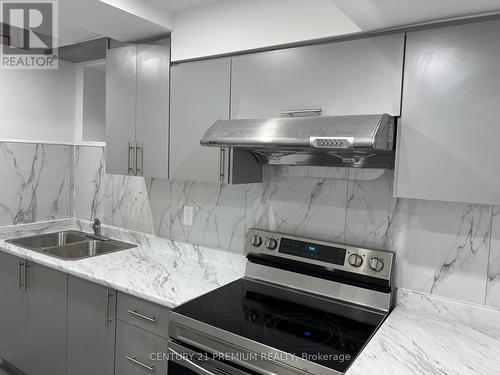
(38, 105)
(94, 105)
(236, 25)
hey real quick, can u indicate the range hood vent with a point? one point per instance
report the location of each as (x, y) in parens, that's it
(348, 141)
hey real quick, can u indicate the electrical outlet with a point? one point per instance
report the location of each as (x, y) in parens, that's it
(188, 215)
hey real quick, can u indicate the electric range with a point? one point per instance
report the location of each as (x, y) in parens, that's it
(303, 307)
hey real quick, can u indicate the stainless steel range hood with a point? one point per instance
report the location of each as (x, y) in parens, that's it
(348, 141)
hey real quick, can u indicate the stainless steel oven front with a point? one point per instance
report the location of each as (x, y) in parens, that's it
(186, 361)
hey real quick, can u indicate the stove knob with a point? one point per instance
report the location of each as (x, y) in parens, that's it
(271, 243)
(256, 240)
(355, 260)
(376, 264)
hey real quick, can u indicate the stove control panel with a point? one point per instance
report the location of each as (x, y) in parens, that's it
(375, 263)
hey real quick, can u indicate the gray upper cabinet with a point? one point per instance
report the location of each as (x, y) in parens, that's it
(120, 109)
(200, 96)
(350, 77)
(137, 109)
(153, 86)
(13, 311)
(46, 321)
(448, 136)
(91, 328)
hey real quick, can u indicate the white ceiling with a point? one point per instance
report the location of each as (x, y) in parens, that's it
(123, 20)
(379, 14)
(86, 19)
(178, 5)
(127, 20)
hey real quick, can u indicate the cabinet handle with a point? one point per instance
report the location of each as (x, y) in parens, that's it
(108, 307)
(22, 272)
(222, 165)
(138, 149)
(26, 267)
(144, 317)
(302, 112)
(139, 363)
(130, 169)
(190, 365)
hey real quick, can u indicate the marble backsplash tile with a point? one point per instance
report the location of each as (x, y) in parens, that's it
(219, 214)
(36, 182)
(493, 290)
(309, 207)
(135, 203)
(442, 248)
(370, 207)
(93, 187)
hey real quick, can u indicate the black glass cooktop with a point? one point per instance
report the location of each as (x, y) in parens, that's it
(319, 330)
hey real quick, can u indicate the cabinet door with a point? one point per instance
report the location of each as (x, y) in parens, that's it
(120, 109)
(47, 303)
(12, 311)
(91, 328)
(134, 348)
(448, 135)
(153, 84)
(200, 96)
(352, 77)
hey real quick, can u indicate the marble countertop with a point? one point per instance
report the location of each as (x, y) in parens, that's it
(429, 335)
(423, 335)
(165, 272)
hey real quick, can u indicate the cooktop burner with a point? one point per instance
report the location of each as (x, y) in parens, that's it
(319, 330)
(290, 329)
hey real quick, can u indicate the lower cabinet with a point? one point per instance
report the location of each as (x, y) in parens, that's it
(55, 324)
(12, 311)
(91, 328)
(47, 292)
(33, 321)
(139, 352)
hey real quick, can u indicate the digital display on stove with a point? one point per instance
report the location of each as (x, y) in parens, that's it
(307, 250)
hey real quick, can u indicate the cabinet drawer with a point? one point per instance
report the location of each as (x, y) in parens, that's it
(143, 314)
(134, 349)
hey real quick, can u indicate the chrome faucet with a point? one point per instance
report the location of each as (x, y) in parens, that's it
(96, 227)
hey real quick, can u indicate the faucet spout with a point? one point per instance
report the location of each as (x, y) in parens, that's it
(96, 227)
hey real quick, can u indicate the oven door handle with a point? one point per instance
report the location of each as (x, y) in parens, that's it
(183, 361)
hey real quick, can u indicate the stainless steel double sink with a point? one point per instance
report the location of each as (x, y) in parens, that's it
(70, 245)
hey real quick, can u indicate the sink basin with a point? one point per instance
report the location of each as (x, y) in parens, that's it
(87, 249)
(70, 245)
(50, 239)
